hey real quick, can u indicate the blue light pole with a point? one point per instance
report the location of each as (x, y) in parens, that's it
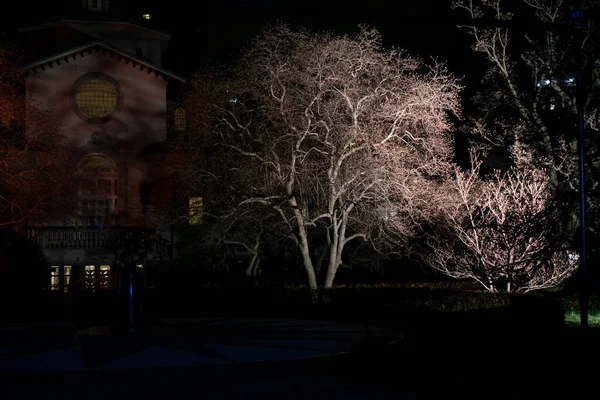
(131, 250)
(577, 17)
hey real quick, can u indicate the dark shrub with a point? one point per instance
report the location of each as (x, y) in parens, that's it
(27, 269)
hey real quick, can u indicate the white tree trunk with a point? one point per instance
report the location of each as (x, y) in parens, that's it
(336, 249)
(252, 269)
(335, 261)
(303, 245)
(308, 266)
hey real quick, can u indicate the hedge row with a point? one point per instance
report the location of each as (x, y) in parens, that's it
(416, 303)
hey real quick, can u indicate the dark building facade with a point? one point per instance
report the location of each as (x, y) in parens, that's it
(102, 76)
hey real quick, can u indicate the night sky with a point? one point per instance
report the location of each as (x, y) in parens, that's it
(220, 28)
(217, 30)
(426, 29)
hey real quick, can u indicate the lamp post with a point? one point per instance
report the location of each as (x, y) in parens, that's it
(577, 18)
(131, 249)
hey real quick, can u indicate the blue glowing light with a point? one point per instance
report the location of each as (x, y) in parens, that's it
(130, 301)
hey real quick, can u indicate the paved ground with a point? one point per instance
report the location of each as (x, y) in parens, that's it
(202, 357)
(301, 379)
(59, 346)
(294, 359)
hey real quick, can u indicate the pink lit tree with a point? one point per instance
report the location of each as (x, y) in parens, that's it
(332, 134)
(501, 232)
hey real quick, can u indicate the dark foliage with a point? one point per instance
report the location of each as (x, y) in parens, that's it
(26, 269)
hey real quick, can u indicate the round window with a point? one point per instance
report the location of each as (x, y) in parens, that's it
(96, 97)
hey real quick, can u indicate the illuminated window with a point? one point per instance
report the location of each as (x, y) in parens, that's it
(55, 281)
(67, 277)
(97, 277)
(196, 212)
(104, 278)
(146, 16)
(180, 119)
(140, 266)
(96, 97)
(54, 277)
(90, 277)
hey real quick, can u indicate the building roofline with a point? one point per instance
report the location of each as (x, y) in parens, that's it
(89, 47)
(89, 21)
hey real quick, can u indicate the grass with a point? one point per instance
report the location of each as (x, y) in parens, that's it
(572, 314)
(573, 320)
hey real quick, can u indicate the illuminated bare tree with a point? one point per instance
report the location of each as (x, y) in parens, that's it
(254, 233)
(529, 101)
(334, 133)
(500, 232)
(34, 171)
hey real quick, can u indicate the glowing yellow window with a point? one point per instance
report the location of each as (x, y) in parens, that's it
(104, 276)
(90, 277)
(67, 276)
(96, 98)
(146, 16)
(180, 119)
(196, 211)
(54, 277)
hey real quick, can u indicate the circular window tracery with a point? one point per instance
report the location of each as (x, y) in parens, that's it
(96, 97)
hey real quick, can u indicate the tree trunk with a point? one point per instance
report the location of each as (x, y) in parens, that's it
(329, 277)
(333, 266)
(337, 247)
(334, 261)
(333, 256)
(253, 266)
(310, 272)
(320, 261)
(257, 269)
(303, 245)
(252, 269)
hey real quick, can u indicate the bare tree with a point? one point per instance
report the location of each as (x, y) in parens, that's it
(501, 233)
(529, 101)
(253, 233)
(34, 171)
(336, 133)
